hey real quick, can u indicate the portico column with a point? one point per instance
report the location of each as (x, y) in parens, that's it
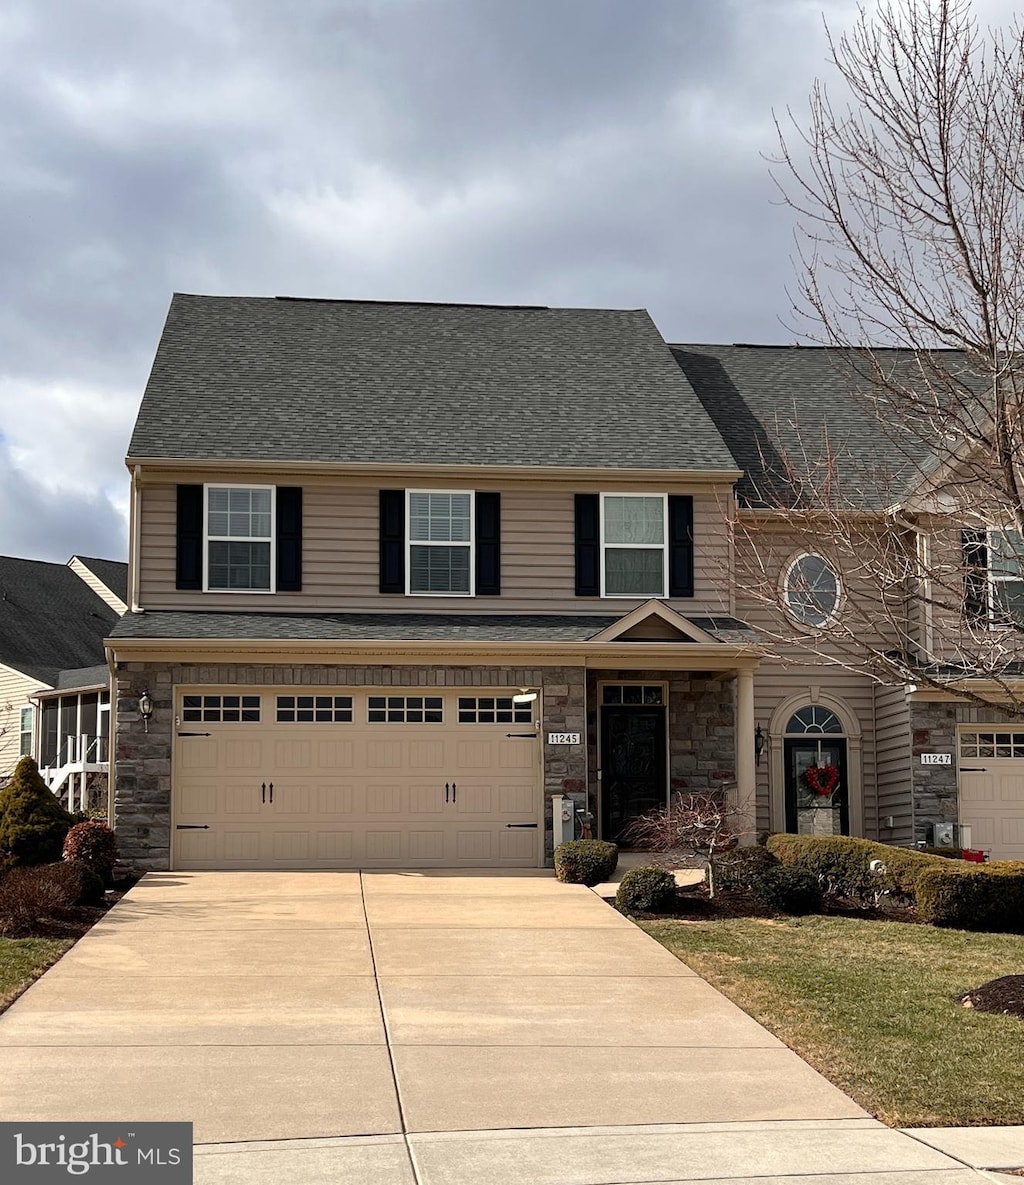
(746, 821)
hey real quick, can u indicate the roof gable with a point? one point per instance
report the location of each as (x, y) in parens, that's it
(50, 620)
(653, 621)
(244, 378)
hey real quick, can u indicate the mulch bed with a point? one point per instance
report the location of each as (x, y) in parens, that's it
(1004, 996)
(695, 905)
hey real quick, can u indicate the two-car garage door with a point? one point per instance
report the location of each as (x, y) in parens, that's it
(271, 778)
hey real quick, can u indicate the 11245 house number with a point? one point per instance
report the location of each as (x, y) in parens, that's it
(564, 738)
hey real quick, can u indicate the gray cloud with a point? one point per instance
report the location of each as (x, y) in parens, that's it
(593, 152)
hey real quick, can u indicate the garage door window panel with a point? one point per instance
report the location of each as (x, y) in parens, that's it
(405, 709)
(314, 709)
(440, 543)
(221, 709)
(239, 538)
(992, 744)
(493, 709)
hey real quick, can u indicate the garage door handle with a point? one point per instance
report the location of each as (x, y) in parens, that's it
(533, 825)
(526, 736)
(192, 827)
(264, 791)
(271, 791)
(973, 769)
(455, 791)
(447, 791)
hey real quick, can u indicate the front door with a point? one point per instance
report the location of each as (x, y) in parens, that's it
(633, 766)
(816, 803)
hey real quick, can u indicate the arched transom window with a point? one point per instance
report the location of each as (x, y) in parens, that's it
(815, 720)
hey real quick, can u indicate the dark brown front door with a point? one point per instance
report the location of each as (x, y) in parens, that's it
(633, 766)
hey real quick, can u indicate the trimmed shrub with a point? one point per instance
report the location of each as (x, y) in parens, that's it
(92, 890)
(973, 896)
(31, 895)
(585, 861)
(842, 864)
(92, 843)
(743, 867)
(33, 824)
(645, 890)
(789, 889)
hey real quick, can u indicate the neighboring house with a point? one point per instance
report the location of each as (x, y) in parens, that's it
(54, 680)
(401, 574)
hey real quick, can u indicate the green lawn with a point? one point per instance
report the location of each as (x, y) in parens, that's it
(870, 1004)
(25, 959)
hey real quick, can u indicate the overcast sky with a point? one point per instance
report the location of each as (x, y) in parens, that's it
(561, 152)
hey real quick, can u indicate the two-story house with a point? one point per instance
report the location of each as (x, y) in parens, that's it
(402, 573)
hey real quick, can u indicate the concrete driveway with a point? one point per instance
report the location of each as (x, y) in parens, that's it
(442, 1028)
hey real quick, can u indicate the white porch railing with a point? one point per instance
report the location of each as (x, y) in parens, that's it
(77, 757)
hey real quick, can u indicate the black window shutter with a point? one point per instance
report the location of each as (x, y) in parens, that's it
(680, 545)
(289, 538)
(588, 545)
(189, 553)
(488, 545)
(392, 541)
(975, 549)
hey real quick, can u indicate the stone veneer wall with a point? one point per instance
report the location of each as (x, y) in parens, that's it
(142, 795)
(934, 730)
(701, 728)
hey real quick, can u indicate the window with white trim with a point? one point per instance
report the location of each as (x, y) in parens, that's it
(811, 590)
(25, 749)
(440, 543)
(992, 744)
(239, 538)
(1006, 576)
(634, 545)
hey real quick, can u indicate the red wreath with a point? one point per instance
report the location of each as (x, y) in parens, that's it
(821, 779)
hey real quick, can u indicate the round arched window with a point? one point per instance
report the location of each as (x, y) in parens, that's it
(811, 590)
(813, 719)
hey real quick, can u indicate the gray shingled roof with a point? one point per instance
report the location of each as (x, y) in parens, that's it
(97, 676)
(113, 573)
(797, 412)
(392, 627)
(357, 381)
(50, 620)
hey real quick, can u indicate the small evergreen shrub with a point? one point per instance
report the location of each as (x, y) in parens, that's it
(743, 867)
(31, 895)
(92, 843)
(92, 890)
(789, 889)
(973, 896)
(33, 824)
(645, 890)
(585, 861)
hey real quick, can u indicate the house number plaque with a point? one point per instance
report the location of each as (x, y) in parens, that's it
(564, 738)
(936, 758)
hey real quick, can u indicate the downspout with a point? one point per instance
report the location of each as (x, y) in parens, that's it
(111, 736)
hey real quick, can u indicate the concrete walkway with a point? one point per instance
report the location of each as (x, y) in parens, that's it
(440, 1029)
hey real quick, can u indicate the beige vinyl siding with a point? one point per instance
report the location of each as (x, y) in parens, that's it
(340, 551)
(97, 585)
(14, 692)
(894, 758)
(777, 681)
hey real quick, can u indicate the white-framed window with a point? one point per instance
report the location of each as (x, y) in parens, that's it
(238, 551)
(493, 709)
(439, 543)
(405, 709)
(1006, 576)
(221, 709)
(811, 590)
(27, 716)
(634, 545)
